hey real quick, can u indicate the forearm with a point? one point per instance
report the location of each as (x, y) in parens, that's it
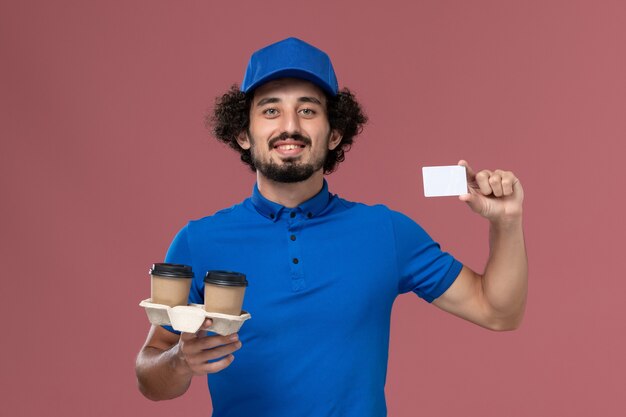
(505, 281)
(162, 374)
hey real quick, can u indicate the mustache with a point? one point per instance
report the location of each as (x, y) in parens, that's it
(286, 135)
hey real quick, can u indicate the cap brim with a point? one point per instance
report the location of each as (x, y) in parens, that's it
(293, 73)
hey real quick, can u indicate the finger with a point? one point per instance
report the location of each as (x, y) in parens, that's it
(218, 352)
(206, 324)
(470, 196)
(211, 342)
(213, 367)
(517, 189)
(482, 180)
(469, 172)
(508, 179)
(474, 199)
(187, 337)
(191, 348)
(495, 181)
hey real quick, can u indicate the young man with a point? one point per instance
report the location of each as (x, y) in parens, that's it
(324, 272)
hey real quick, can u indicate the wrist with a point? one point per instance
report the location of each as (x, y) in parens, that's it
(506, 223)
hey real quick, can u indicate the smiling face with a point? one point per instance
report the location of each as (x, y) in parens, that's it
(289, 134)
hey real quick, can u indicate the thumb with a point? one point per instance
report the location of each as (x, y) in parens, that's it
(472, 199)
(469, 196)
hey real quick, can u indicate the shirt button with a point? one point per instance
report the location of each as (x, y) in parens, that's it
(293, 214)
(271, 215)
(293, 237)
(309, 215)
(295, 260)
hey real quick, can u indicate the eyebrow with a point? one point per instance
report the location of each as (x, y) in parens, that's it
(267, 100)
(305, 99)
(309, 100)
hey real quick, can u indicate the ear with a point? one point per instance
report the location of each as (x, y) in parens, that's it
(243, 140)
(335, 139)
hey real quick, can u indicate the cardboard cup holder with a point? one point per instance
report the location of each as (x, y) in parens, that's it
(189, 318)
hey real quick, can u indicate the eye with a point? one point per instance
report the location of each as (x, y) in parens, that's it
(271, 112)
(307, 112)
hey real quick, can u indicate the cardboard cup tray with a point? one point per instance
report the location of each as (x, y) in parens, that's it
(189, 318)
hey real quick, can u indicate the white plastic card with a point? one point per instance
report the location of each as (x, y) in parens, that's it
(440, 181)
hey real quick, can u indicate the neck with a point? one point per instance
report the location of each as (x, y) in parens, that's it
(292, 194)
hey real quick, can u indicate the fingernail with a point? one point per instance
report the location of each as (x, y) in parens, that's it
(233, 336)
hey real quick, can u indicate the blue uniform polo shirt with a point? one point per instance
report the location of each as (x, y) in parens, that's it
(322, 281)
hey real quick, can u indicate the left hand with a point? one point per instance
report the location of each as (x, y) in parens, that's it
(495, 195)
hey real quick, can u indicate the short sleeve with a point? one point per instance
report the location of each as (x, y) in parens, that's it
(423, 267)
(179, 253)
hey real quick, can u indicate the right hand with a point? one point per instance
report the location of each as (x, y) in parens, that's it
(196, 349)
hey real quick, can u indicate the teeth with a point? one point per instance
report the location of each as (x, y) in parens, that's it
(288, 147)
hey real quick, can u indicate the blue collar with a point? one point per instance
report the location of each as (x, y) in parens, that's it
(308, 209)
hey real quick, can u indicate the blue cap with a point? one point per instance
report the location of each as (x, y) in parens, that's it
(290, 58)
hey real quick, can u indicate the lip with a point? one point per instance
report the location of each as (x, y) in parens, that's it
(289, 142)
(300, 146)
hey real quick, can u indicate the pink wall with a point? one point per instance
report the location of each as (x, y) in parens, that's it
(101, 113)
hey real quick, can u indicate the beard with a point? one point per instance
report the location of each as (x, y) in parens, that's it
(290, 170)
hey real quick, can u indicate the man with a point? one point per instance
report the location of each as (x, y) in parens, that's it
(323, 271)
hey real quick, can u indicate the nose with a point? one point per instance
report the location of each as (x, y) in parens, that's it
(290, 122)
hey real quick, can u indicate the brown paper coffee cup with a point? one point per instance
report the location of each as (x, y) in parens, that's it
(224, 292)
(170, 284)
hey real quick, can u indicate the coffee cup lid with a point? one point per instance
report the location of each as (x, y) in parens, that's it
(171, 270)
(227, 278)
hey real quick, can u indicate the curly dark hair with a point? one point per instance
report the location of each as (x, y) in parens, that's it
(231, 117)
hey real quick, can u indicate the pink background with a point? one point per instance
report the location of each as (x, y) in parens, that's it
(102, 108)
